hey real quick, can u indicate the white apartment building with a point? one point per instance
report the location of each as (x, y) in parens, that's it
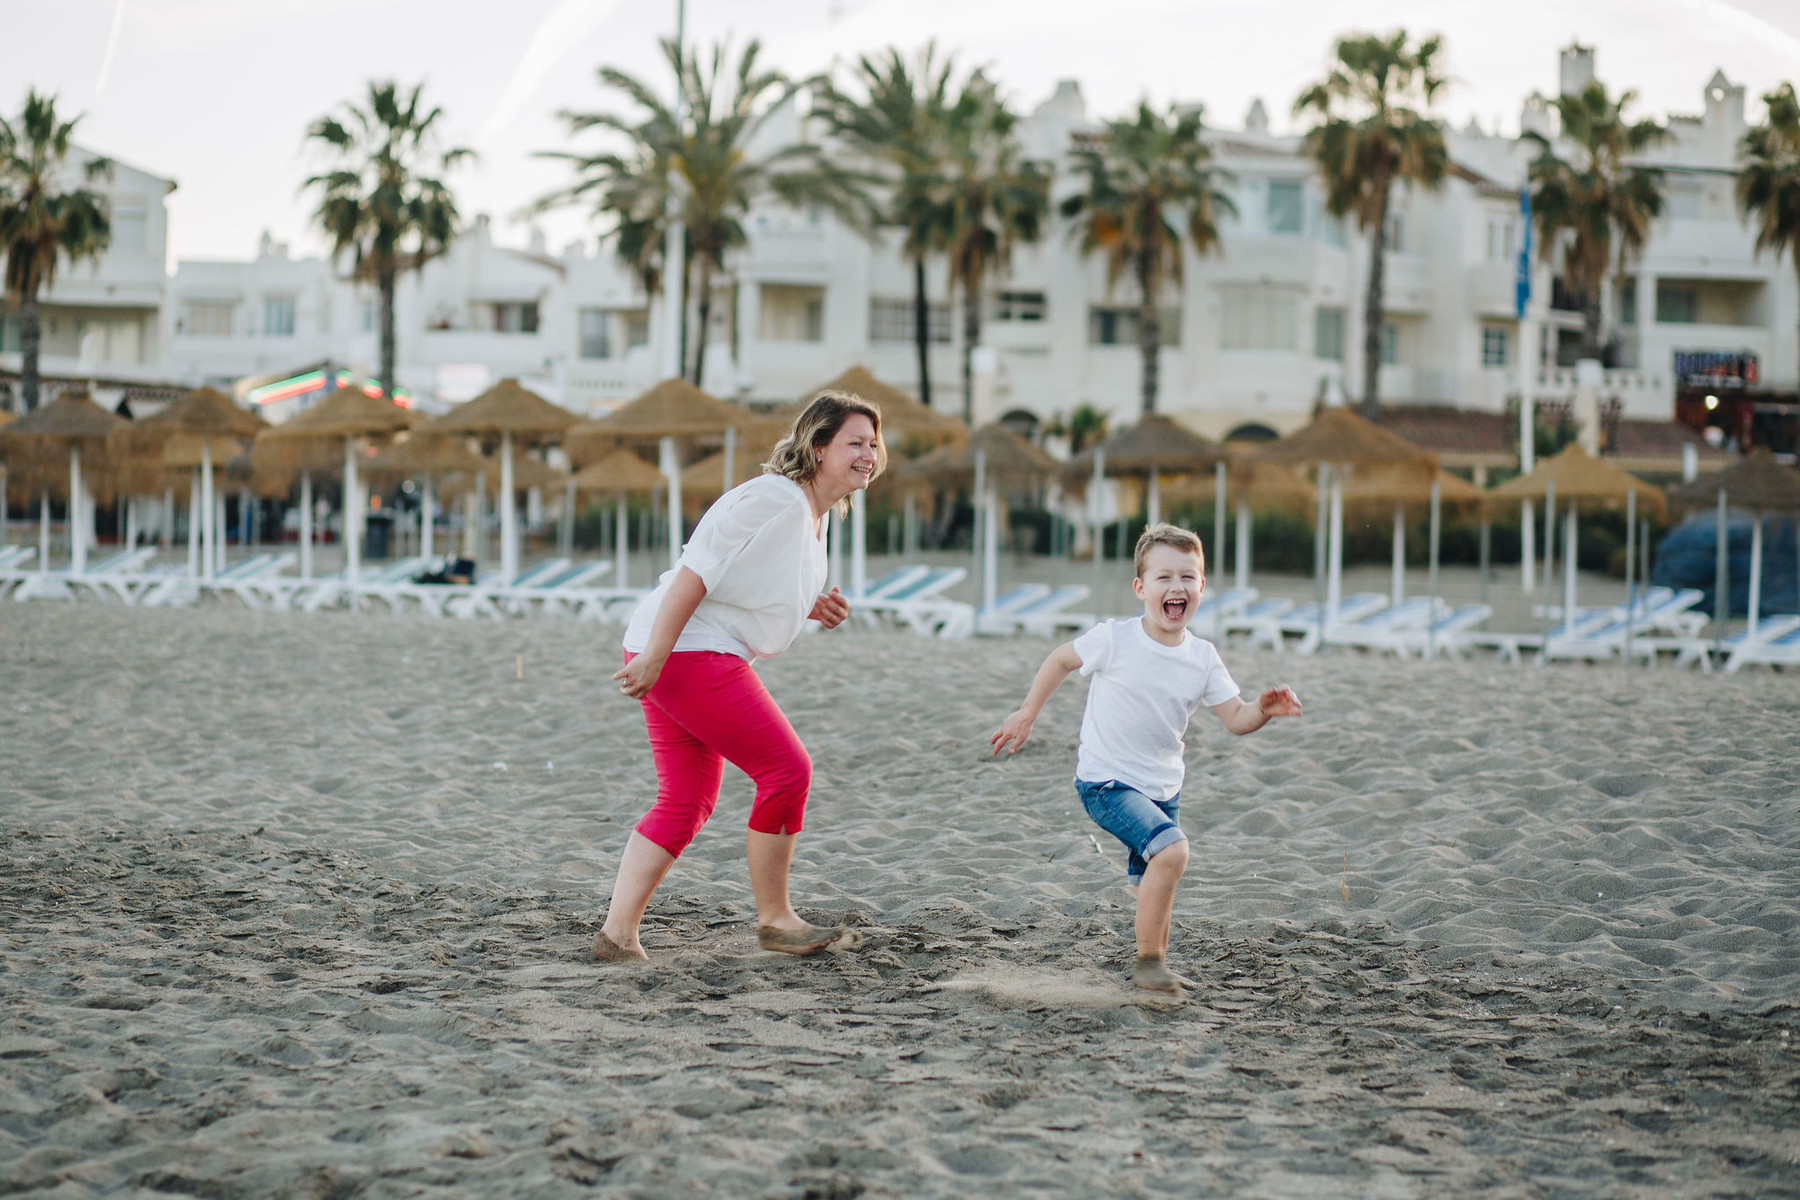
(103, 319)
(1257, 334)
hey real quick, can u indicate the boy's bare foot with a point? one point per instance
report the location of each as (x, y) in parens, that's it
(1152, 973)
(607, 950)
(809, 939)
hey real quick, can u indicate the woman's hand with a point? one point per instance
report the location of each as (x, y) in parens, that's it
(831, 609)
(639, 675)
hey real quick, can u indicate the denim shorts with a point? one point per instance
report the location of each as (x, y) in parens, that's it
(1143, 824)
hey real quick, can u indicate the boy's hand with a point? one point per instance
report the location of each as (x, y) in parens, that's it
(1015, 729)
(831, 609)
(1279, 702)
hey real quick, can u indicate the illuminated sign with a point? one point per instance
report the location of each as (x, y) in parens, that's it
(316, 381)
(1716, 368)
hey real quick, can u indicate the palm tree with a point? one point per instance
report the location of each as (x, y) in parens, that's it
(899, 125)
(1147, 182)
(41, 221)
(708, 159)
(991, 199)
(1373, 131)
(1768, 188)
(385, 204)
(1594, 198)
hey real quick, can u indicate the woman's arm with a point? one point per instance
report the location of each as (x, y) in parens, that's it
(685, 592)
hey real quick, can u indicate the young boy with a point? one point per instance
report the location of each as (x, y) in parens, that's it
(1149, 675)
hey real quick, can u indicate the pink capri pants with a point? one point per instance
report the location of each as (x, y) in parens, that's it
(705, 710)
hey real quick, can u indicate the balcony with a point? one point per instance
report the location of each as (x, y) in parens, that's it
(1492, 289)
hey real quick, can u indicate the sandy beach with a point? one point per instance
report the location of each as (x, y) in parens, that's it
(301, 905)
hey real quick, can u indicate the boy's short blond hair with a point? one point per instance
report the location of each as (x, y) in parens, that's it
(1165, 534)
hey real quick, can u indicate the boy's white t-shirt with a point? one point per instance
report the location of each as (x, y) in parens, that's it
(1139, 702)
(763, 563)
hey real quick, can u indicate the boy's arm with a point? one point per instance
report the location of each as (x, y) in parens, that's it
(1248, 718)
(1063, 661)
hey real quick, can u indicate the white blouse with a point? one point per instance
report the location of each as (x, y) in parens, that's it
(762, 562)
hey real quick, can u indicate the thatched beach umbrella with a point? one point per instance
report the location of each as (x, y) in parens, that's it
(513, 414)
(41, 443)
(1756, 482)
(1578, 478)
(908, 427)
(208, 427)
(994, 456)
(621, 473)
(347, 418)
(673, 409)
(427, 458)
(1337, 445)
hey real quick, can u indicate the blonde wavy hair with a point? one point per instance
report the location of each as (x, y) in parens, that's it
(797, 454)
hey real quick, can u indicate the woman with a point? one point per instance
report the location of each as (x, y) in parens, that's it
(747, 581)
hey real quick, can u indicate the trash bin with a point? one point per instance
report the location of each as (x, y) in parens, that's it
(380, 535)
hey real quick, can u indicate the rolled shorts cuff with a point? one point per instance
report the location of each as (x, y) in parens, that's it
(1163, 841)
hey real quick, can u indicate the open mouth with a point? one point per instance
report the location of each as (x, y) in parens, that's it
(1175, 609)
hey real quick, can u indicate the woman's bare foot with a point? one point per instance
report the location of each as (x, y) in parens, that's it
(808, 939)
(607, 950)
(1152, 973)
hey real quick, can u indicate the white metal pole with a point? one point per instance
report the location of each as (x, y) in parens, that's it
(910, 538)
(352, 517)
(977, 537)
(77, 517)
(834, 549)
(1242, 557)
(671, 468)
(1095, 512)
(208, 533)
(1630, 567)
(4, 510)
(1322, 547)
(990, 558)
(166, 534)
(1334, 582)
(306, 524)
(1569, 582)
(1431, 612)
(1756, 556)
(194, 525)
(1153, 500)
(674, 240)
(1397, 588)
(219, 530)
(131, 519)
(1527, 547)
(622, 550)
(43, 531)
(859, 543)
(509, 516)
(427, 519)
(566, 538)
(1721, 580)
(1549, 550)
(1218, 542)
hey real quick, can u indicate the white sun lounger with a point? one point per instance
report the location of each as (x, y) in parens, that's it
(1043, 615)
(1777, 643)
(1303, 619)
(61, 583)
(920, 605)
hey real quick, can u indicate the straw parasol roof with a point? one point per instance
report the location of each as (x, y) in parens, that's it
(1390, 485)
(1340, 437)
(907, 425)
(306, 442)
(423, 454)
(204, 420)
(1580, 477)
(1262, 486)
(1010, 459)
(620, 471)
(507, 407)
(1156, 444)
(673, 408)
(1756, 482)
(36, 446)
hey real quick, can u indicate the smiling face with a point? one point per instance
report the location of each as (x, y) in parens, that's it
(1169, 584)
(848, 461)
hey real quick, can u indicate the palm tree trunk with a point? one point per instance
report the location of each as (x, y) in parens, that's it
(30, 328)
(922, 329)
(705, 320)
(1372, 314)
(1590, 323)
(1149, 331)
(384, 281)
(971, 336)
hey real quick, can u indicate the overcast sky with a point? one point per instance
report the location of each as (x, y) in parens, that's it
(217, 94)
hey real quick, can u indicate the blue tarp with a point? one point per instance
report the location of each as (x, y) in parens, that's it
(1686, 559)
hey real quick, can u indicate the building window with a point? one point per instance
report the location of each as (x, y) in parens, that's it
(1287, 199)
(1395, 242)
(369, 315)
(1628, 302)
(1019, 306)
(203, 318)
(637, 327)
(278, 316)
(1121, 327)
(792, 314)
(1327, 228)
(9, 335)
(891, 320)
(130, 226)
(596, 333)
(1676, 305)
(1390, 344)
(516, 318)
(1501, 232)
(1258, 319)
(1328, 334)
(1496, 346)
